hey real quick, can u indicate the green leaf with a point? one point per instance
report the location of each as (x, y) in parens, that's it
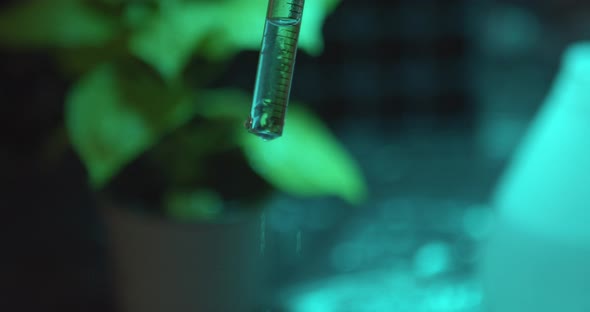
(242, 25)
(168, 40)
(225, 103)
(114, 114)
(307, 160)
(54, 24)
(217, 30)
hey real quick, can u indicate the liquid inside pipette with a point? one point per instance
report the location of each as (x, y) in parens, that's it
(275, 72)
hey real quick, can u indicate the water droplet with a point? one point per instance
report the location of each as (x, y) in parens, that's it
(432, 259)
(262, 233)
(298, 246)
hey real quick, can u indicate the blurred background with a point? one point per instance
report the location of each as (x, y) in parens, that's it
(430, 97)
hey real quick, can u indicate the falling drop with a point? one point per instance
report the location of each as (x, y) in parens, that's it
(298, 246)
(262, 233)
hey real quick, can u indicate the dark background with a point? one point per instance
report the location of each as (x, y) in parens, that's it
(430, 96)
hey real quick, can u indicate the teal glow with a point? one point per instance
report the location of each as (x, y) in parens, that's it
(546, 188)
(386, 290)
(537, 259)
(432, 259)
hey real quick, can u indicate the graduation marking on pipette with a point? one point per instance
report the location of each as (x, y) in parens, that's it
(275, 68)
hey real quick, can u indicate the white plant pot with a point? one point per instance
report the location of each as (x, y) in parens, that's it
(539, 257)
(162, 266)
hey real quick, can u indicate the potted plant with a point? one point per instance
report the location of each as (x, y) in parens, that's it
(180, 181)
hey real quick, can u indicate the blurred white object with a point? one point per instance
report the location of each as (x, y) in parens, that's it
(539, 256)
(385, 290)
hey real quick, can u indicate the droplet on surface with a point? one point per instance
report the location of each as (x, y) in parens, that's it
(432, 259)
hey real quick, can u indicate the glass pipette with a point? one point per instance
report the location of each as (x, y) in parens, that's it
(275, 68)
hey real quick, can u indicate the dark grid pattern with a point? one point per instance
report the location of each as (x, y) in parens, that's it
(388, 59)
